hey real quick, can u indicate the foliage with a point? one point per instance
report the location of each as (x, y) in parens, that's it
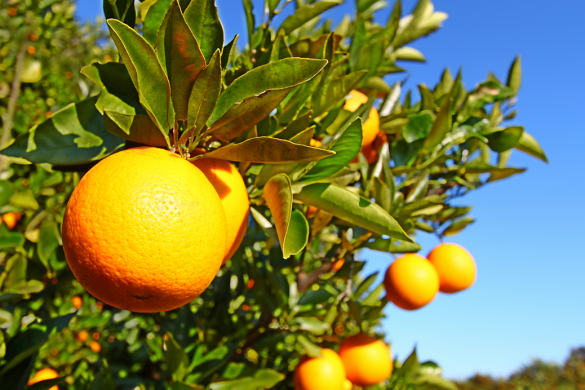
(179, 87)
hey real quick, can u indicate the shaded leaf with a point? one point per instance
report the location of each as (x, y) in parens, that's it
(203, 19)
(332, 92)
(126, 11)
(311, 349)
(262, 379)
(154, 18)
(504, 140)
(393, 246)
(305, 13)
(528, 144)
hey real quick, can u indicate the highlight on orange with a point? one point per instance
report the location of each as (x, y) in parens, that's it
(455, 266)
(230, 187)
(325, 372)
(411, 282)
(44, 375)
(367, 360)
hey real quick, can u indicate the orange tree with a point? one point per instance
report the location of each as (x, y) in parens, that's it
(293, 286)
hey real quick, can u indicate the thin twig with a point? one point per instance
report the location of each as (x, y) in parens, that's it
(130, 2)
(115, 9)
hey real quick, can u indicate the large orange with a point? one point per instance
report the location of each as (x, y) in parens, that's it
(411, 282)
(326, 372)
(367, 360)
(231, 188)
(455, 266)
(371, 126)
(144, 231)
(44, 375)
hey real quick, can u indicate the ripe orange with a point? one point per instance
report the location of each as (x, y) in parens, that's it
(231, 188)
(95, 346)
(316, 143)
(347, 385)
(326, 372)
(43, 375)
(367, 360)
(82, 336)
(144, 231)
(411, 282)
(338, 265)
(455, 266)
(11, 219)
(371, 126)
(77, 302)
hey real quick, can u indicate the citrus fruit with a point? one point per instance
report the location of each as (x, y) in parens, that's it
(455, 266)
(231, 189)
(316, 143)
(44, 375)
(76, 302)
(82, 336)
(347, 385)
(371, 126)
(325, 372)
(95, 346)
(367, 360)
(144, 231)
(312, 210)
(411, 282)
(11, 219)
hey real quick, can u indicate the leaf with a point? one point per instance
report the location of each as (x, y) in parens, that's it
(441, 126)
(408, 54)
(203, 19)
(148, 76)
(328, 95)
(346, 148)
(154, 18)
(419, 126)
(228, 52)
(135, 128)
(6, 191)
(505, 173)
(250, 21)
(365, 285)
(305, 13)
(74, 135)
(515, 75)
(177, 359)
(49, 383)
(11, 240)
(180, 56)
(311, 324)
(267, 150)
(264, 223)
(353, 208)
(311, 349)
(291, 226)
(435, 381)
(262, 379)
(49, 238)
(277, 75)
(457, 226)
(528, 144)
(504, 140)
(393, 246)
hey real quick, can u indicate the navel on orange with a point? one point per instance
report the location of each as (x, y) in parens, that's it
(144, 231)
(325, 372)
(367, 360)
(455, 266)
(411, 282)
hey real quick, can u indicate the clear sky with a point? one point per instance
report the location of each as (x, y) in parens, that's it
(529, 298)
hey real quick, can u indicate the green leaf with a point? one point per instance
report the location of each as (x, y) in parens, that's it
(11, 240)
(6, 191)
(419, 126)
(353, 208)
(203, 19)
(267, 150)
(74, 135)
(123, 6)
(528, 144)
(457, 226)
(154, 18)
(435, 382)
(148, 75)
(291, 226)
(49, 238)
(203, 97)
(311, 349)
(262, 379)
(282, 74)
(179, 54)
(328, 95)
(365, 285)
(504, 173)
(177, 359)
(504, 140)
(311, 324)
(441, 126)
(136, 128)
(515, 75)
(49, 383)
(393, 246)
(228, 52)
(346, 148)
(409, 54)
(305, 13)
(250, 21)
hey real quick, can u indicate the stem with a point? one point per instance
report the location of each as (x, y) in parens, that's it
(14, 94)
(115, 8)
(130, 2)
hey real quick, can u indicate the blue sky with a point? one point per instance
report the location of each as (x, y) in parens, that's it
(528, 301)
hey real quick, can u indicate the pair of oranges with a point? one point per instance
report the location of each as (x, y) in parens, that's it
(412, 281)
(146, 230)
(362, 360)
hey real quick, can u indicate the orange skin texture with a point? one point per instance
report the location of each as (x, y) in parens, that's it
(144, 231)
(366, 359)
(371, 126)
(411, 282)
(230, 186)
(11, 219)
(77, 302)
(43, 375)
(326, 372)
(455, 266)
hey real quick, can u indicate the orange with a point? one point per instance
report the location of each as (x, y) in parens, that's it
(411, 282)
(369, 152)
(455, 266)
(44, 375)
(11, 219)
(231, 188)
(82, 336)
(338, 265)
(77, 302)
(316, 143)
(95, 346)
(144, 231)
(326, 372)
(367, 360)
(371, 126)
(312, 210)
(347, 385)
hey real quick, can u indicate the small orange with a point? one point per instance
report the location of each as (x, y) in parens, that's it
(371, 126)
(82, 336)
(77, 302)
(411, 282)
(338, 265)
(367, 360)
(316, 143)
(455, 266)
(326, 372)
(43, 375)
(95, 346)
(312, 210)
(144, 231)
(11, 219)
(232, 191)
